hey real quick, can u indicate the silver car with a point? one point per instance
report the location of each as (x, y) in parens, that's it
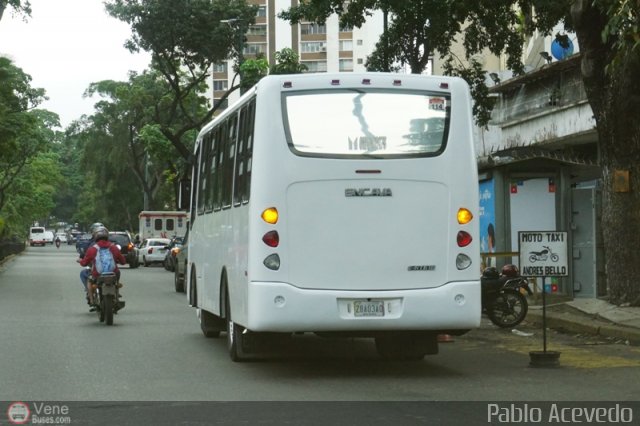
(153, 250)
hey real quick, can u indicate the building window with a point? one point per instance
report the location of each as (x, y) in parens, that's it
(262, 11)
(346, 45)
(346, 29)
(315, 66)
(346, 65)
(220, 85)
(360, 61)
(255, 48)
(257, 30)
(221, 67)
(312, 29)
(313, 47)
(359, 42)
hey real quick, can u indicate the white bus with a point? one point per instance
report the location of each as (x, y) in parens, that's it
(338, 203)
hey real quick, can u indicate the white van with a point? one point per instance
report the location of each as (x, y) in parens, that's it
(48, 237)
(37, 236)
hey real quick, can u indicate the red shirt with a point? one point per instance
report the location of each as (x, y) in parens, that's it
(92, 252)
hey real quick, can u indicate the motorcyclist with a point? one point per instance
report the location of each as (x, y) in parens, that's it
(57, 242)
(101, 238)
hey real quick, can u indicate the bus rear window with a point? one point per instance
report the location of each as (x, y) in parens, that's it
(366, 124)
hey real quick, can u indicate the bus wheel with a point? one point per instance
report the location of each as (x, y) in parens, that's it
(210, 324)
(236, 338)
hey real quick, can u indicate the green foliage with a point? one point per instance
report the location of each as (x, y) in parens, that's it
(22, 7)
(252, 70)
(287, 62)
(421, 29)
(185, 38)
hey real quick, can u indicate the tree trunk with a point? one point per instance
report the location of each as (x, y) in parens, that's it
(614, 97)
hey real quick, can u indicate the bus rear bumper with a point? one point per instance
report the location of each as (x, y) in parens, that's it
(281, 307)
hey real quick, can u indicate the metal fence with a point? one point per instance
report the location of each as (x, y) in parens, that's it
(8, 248)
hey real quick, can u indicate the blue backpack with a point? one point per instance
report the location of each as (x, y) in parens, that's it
(104, 260)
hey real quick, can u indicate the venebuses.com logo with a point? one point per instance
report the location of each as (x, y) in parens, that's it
(18, 413)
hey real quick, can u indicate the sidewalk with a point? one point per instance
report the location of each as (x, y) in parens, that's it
(590, 316)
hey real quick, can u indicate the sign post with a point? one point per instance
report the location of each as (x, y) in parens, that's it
(543, 254)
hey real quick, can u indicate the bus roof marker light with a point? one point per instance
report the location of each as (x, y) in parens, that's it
(287, 85)
(270, 215)
(366, 81)
(464, 216)
(444, 85)
(397, 82)
(335, 82)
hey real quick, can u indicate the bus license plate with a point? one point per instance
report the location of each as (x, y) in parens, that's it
(368, 308)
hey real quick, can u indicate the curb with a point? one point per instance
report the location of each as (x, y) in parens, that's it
(584, 324)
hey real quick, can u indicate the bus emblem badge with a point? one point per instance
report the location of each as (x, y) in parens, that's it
(421, 268)
(367, 192)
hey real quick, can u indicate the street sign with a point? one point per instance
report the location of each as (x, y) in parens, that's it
(543, 253)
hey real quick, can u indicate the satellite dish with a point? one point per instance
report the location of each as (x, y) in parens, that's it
(561, 49)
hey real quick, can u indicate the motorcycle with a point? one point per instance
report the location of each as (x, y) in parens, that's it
(106, 296)
(543, 255)
(57, 243)
(504, 296)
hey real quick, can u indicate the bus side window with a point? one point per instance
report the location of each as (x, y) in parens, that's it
(210, 170)
(222, 145)
(202, 177)
(228, 161)
(248, 151)
(238, 184)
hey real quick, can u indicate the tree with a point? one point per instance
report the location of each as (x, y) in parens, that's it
(609, 39)
(185, 38)
(287, 62)
(24, 131)
(20, 6)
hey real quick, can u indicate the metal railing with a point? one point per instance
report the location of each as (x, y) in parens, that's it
(8, 248)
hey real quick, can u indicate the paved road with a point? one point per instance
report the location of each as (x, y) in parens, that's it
(54, 349)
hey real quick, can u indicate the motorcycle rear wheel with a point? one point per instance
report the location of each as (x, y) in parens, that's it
(108, 309)
(508, 309)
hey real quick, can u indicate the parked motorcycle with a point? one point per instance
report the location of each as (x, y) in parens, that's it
(106, 296)
(504, 296)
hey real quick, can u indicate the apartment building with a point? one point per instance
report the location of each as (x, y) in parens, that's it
(322, 48)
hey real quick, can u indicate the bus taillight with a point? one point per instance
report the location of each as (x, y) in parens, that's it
(272, 262)
(271, 238)
(270, 215)
(463, 238)
(464, 216)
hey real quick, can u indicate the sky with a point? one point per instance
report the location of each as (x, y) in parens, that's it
(65, 46)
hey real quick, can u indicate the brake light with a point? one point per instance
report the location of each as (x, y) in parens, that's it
(150, 250)
(464, 216)
(270, 215)
(271, 238)
(463, 238)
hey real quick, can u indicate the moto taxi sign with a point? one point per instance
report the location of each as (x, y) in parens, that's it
(543, 253)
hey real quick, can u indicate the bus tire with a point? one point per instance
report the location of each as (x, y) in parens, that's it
(236, 339)
(193, 292)
(210, 324)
